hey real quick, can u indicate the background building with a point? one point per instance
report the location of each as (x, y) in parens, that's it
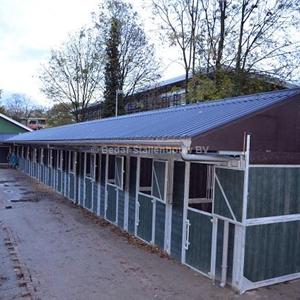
(167, 93)
(164, 94)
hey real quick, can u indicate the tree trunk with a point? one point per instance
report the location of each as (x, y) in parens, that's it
(239, 49)
(222, 5)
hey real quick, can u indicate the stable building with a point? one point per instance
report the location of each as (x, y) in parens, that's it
(8, 129)
(214, 184)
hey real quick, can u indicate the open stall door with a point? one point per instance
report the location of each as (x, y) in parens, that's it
(198, 222)
(198, 240)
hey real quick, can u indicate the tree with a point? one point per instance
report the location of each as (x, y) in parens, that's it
(249, 36)
(136, 62)
(2, 108)
(74, 73)
(204, 87)
(181, 25)
(112, 70)
(264, 39)
(241, 38)
(59, 114)
(19, 107)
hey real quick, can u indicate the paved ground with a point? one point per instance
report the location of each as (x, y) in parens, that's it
(66, 253)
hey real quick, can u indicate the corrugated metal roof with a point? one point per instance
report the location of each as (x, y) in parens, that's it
(5, 136)
(171, 123)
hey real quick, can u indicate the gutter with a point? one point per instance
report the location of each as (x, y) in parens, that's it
(214, 159)
(170, 143)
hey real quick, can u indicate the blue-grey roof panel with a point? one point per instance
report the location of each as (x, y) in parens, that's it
(5, 136)
(171, 123)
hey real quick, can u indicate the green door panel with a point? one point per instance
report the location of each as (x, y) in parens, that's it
(111, 203)
(144, 229)
(198, 254)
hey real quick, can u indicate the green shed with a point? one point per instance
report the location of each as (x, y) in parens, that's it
(8, 129)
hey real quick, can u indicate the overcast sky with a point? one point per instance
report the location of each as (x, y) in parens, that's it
(30, 28)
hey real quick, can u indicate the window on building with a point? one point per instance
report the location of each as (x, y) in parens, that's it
(77, 164)
(50, 158)
(28, 153)
(65, 163)
(119, 172)
(146, 175)
(111, 169)
(45, 156)
(81, 164)
(153, 174)
(159, 179)
(35, 155)
(98, 167)
(73, 162)
(40, 155)
(90, 165)
(53, 159)
(59, 159)
(200, 188)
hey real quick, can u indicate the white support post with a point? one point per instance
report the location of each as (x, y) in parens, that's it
(237, 255)
(84, 175)
(79, 177)
(75, 177)
(246, 180)
(126, 189)
(239, 251)
(117, 205)
(93, 178)
(137, 208)
(70, 169)
(99, 185)
(106, 181)
(225, 254)
(185, 208)
(212, 273)
(169, 203)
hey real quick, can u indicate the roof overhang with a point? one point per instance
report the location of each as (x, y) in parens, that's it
(158, 143)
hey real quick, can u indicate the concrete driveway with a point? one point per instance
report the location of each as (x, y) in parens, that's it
(66, 253)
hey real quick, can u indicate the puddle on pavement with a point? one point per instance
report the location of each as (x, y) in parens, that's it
(3, 279)
(27, 192)
(25, 200)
